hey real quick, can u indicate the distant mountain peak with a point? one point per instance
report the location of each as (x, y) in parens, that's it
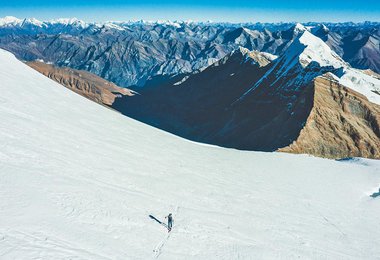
(324, 27)
(321, 31)
(33, 21)
(298, 27)
(311, 48)
(9, 20)
(68, 21)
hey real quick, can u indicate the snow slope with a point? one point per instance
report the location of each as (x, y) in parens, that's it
(78, 181)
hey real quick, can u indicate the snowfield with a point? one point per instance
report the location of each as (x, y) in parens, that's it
(78, 181)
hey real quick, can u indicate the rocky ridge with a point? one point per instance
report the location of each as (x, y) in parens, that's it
(84, 83)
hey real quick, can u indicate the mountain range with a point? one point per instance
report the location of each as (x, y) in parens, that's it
(267, 87)
(130, 53)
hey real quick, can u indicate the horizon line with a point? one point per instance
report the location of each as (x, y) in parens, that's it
(186, 21)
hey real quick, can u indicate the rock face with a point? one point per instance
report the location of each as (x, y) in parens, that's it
(83, 83)
(342, 123)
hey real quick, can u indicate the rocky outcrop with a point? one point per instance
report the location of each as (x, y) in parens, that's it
(83, 83)
(342, 123)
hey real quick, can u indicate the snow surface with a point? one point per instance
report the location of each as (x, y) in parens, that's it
(78, 181)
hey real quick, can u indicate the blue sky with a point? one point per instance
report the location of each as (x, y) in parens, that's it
(200, 10)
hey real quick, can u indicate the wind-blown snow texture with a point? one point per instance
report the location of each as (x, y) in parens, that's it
(78, 181)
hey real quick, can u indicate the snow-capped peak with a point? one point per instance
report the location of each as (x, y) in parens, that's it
(33, 21)
(317, 50)
(307, 48)
(13, 21)
(320, 30)
(324, 28)
(170, 23)
(308, 57)
(299, 28)
(68, 21)
(110, 25)
(9, 20)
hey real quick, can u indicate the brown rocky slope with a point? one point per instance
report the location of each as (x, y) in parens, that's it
(84, 83)
(342, 123)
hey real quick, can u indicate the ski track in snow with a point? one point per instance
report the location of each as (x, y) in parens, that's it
(158, 248)
(78, 181)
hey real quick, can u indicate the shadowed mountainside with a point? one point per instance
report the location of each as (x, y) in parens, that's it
(203, 106)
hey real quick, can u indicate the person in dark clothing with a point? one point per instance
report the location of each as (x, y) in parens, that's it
(170, 221)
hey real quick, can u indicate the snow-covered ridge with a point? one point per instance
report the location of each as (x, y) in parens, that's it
(10, 21)
(13, 21)
(68, 21)
(299, 28)
(309, 50)
(318, 51)
(33, 21)
(110, 25)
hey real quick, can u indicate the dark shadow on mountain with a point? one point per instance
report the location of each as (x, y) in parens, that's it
(199, 108)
